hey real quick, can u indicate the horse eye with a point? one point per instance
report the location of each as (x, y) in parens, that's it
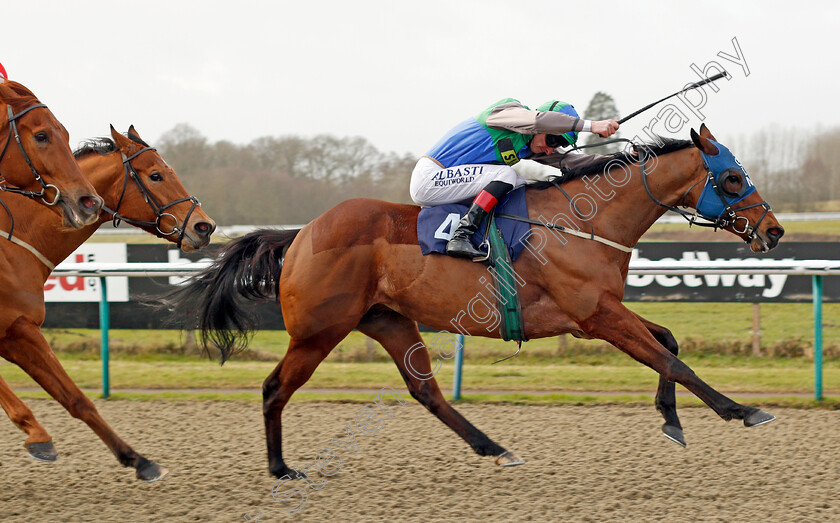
(42, 137)
(733, 179)
(156, 177)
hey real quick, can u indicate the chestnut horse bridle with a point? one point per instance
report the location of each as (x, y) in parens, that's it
(156, 206)
(13, 130)
(728, 216)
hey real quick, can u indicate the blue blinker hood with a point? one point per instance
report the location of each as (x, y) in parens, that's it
(711, 204)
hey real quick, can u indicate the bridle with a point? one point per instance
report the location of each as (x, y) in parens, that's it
(156, 206)
(13, 130)
(728, 216)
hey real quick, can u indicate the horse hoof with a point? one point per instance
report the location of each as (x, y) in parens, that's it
(151, 471)
(44, 451)
(508, 459)
(674, 434)
(285, 472)
(759, 417)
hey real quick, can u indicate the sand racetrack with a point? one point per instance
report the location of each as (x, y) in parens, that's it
(604, 463)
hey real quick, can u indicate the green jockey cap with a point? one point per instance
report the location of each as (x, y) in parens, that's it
(557, 106)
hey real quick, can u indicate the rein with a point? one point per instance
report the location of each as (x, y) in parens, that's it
(566, 230)
(156, 206)
(41, 258)
(730, 219)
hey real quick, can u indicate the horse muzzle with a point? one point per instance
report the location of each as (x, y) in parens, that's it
(80, 212)
(197, 235)
(767, 240)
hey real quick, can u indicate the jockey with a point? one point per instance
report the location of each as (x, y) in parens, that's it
(3, 75)
(474, 159)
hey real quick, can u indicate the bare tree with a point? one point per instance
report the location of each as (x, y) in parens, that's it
(286, 179)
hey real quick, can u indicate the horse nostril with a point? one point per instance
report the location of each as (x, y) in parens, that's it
(90, 203)
(775, 232)
(204, 228)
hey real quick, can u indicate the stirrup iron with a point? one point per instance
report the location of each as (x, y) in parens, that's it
(518, 348)
(481, 247)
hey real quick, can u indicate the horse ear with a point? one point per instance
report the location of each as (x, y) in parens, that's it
(704, 144)
(706, 133)
(132, 130)
(121, 141)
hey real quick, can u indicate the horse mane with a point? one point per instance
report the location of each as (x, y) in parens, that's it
(103, 146)
(662, 146)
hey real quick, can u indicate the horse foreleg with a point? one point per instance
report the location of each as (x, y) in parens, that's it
(39, 444)
(666, 398)
(25, 346)
(295, 369)
(614, 323)
(398, 335)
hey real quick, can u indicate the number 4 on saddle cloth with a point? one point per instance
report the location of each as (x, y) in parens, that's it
(506, 238)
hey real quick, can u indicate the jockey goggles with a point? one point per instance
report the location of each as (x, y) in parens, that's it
(565, 139)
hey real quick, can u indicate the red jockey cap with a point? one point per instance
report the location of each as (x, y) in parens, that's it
(3, 72)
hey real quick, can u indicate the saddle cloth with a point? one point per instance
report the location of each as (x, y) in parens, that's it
(435, 225)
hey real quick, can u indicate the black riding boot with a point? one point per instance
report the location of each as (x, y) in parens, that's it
(460, 245)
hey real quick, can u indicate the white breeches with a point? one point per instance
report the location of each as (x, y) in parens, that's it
(432, 184)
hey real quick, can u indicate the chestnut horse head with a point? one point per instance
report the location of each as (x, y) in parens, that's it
(729, 196)
(147, 193)
(722, 193)
(36, 159)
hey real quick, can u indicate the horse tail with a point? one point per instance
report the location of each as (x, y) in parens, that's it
(214, 300)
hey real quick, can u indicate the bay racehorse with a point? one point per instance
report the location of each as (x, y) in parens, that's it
(138, 188)
(36, 160)
(358, 266)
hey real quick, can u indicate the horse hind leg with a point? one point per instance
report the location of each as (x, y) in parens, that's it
(400, 336)
(301, 359)
(25, 346)
(39, 444)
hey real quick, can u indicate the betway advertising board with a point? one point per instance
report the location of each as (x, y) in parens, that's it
(73, 302)
(730, 287)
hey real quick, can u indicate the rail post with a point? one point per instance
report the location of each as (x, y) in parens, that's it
(104, 325)
(459, 364)
(817, 284)
(756, 341)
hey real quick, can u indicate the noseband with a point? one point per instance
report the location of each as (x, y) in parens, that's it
(156, 207)
(728, 217)
(13, 130)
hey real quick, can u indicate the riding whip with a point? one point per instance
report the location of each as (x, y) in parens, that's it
(695, 85)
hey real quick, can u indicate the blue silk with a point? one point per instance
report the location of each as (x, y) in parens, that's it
(709, 205)
(515, 233)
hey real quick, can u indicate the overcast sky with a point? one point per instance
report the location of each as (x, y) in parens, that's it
(401, 73)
